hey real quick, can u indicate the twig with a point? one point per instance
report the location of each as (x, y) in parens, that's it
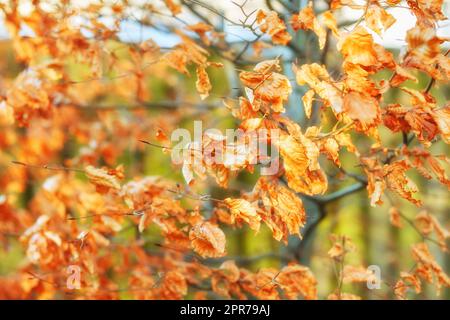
(47, 167)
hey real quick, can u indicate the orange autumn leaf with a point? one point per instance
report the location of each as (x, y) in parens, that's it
(32, 94)
(427, 267)
(207, 240)
(377, 18)
(173, 286)
(201, 29)
(358, 48)
(296, 281)
(317, 77)
(225, 280)
(398, 182)
(268, 85)
(306, 20)
(428, 9)
(423, 50)
(263, 284)
(330, 21)
(413, 280)
(331, 148)
(302, 171)
(285, 209)
(178, 60)
(308, 101)
(186, 53)
(352, 274)
(243, 210)
(203, 83)
(426, 224)
(442, 119)
(363, 109)
(102, 179)
(271, 24)
(407, 282)
(341, 245)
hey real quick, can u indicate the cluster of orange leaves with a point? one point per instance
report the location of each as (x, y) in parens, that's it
(74, 217)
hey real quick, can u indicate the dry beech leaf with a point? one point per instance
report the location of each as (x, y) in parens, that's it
(357, 274)
(427, 267)
(308, 101)
(271, 24)
(297, 281)
(243, 210)
(378, 19)
(102, 179)
(207, 240)
(203, 84)
(306, 20)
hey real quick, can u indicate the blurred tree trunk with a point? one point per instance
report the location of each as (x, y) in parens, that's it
(366, 228)
(394, 255)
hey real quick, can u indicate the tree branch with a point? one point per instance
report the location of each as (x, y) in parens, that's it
(146, 105)
(341, 193)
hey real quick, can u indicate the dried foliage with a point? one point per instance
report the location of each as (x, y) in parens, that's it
(81, 101)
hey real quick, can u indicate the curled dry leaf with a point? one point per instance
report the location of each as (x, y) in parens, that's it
(427, 267)
(341, 245)
(398, 182)
(308, 101)
(363, 109)
(268, 86)
(203, 83)
(358, 48)
(352, 274)
(243, 210)
(442, 119)
(306, 20)
(283, 210)
(271, 24)
(427, 223)
(377, 18)
(102, 179)
(296, 281)
(225, 280)
(207, 240)
(201, 29)
(424, 50)
(300, 160)
(406, 282)
(330, 21)
(317, 77)
(174, 286)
